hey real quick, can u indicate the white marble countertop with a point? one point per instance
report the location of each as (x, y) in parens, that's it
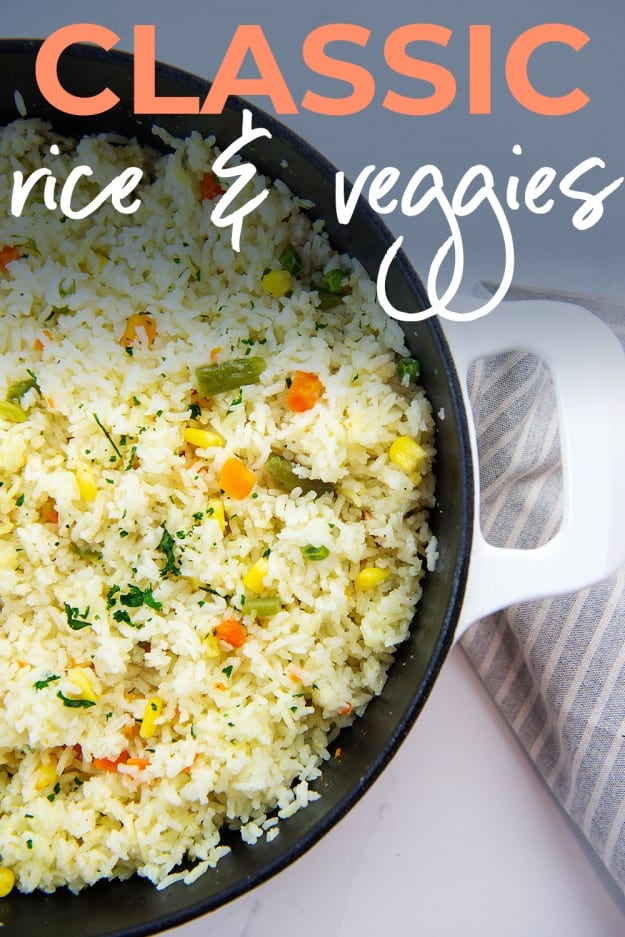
(459, 837)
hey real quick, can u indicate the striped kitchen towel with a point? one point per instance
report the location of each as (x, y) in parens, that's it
(555, 668)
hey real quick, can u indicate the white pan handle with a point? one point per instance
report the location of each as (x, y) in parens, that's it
(588, 369)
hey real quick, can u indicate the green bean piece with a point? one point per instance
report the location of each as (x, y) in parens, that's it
(229, 375)
(17, 390)
(311, 552)
(11, 412)
(263, 605)
(410, 367)
(282, 473)
(290, 260)
(328, 300)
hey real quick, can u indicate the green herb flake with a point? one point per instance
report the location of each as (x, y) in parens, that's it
(19, 501)
(110, 596)
(42, 684)
(75, 619)
(227, 670)
(136, 597)
(108, 435)
(75, 703)
(166, 546)
(29, 844)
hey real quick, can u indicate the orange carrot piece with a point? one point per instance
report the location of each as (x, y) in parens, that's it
(49, 512)
(345, 709)
(232, 632)
(7, 255)
(210, 188)
(138, 320)
(304, 392)
(110, 764)
(129, 729)
(236, 479)
(139, 763)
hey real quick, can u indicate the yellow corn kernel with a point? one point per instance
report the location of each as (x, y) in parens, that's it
(406, 454)
(253, 579)
(80, 679)
(153, 709)
(7, 881)
(87, 488)
(212, 646)
(215, 510)
(277, 282)
(203, 438)
(46, 775)
(370, 577)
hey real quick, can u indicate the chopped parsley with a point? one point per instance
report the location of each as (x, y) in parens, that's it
(136, 597)
(108, 436)
(227, 670)
(19, 501)
(75, 619)
(166, 546)
(42, 684)
(75, 703)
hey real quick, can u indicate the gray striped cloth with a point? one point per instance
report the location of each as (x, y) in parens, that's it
(555, 668)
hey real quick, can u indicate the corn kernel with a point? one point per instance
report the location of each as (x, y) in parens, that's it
(216, 512)
(406, 454)
(253, 579)
(153, 709)
(87, 488)
(203, 438)
(46, 775)
(370, 577)
(277, 282)
(79, 677)
(7, 881)
(212, 646)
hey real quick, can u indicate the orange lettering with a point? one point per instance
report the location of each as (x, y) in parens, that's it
(358, 77)
(442, 80)
(47, 62)
(270, 83)
(517, 62)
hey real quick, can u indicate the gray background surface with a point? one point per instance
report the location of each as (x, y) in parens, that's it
(549, 251)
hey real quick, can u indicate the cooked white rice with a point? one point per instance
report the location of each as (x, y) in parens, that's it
(243, 731)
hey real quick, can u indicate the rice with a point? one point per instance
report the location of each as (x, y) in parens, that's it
(124, 585)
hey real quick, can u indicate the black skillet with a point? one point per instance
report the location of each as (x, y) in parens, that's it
(135, 907)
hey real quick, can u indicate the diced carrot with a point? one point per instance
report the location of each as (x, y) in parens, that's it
(345, 709)
(38, 344)
(139, 763)
(7, 255)
(20, 663)
(236, 479)
(232, 632)
(219, 686)
(129, 729)
(304, 392)
(138, 320)
(210, 188)
(109, 764)
(49, 512)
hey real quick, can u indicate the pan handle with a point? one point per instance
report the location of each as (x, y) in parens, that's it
(588, 369)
